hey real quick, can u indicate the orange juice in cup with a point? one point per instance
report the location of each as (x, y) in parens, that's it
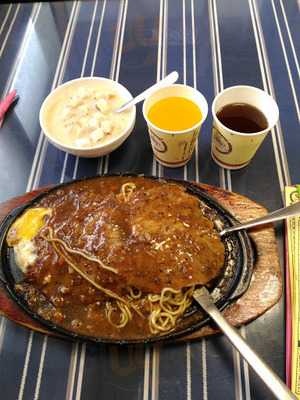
(174, 115)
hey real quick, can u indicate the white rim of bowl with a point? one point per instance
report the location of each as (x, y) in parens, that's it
(99, 146)
(204, 112)
(255, 89)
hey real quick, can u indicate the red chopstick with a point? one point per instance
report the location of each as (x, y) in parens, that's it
(6, 103)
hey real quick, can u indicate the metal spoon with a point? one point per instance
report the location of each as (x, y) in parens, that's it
(274, 383)
(285, 212)
(168, 80)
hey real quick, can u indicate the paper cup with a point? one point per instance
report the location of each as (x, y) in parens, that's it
(231, 149)
(174, 148)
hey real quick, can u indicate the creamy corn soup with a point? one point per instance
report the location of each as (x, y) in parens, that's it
(81, 114)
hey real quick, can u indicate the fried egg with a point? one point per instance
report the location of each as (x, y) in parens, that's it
(22, 232)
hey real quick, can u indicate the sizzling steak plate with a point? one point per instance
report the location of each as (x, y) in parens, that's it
(118, 258)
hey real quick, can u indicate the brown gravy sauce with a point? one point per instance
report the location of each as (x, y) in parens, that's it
(159, 238)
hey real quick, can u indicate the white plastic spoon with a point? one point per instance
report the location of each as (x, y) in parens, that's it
(168, 80)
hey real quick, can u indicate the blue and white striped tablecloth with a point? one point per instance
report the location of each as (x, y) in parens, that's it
(213, 44)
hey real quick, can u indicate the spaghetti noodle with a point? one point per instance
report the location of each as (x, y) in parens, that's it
(127, 190)
(80, 253)
(165, 308)
(124, 317)
(63, 254)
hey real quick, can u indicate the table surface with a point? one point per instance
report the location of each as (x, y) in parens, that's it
(212, 44)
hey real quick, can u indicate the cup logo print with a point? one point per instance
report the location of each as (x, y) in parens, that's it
(158, 143)
(187, 146)
(183, 146)
(295, 195)
(193, 141)
(221, 143)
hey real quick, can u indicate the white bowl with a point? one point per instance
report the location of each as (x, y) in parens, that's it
(99, 149)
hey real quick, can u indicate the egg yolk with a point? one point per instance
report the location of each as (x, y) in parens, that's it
(28, 225)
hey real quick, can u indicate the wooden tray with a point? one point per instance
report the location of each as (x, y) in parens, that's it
(265, 288)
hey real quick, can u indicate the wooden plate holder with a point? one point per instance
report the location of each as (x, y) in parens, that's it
(266, 284)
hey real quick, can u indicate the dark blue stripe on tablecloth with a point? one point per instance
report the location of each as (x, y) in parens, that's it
(191, 166)
(88, 167)
(33, 367)
(238, 49)
(12, 359)
(197, 369)
(20, 131)
(208, 170)
(189, 43)
(79, 43)
(291, 8)
(137, 72)
(10, 17)
(283, 92)
(239, 31)
(175, 38)
(14, 40)
(73, 69)
(113, 373)
(285, 36)
(103, 61)
(3, 12)
(56, 368)
(174, 59)
(219, 358)
(172, 377)
(16, 32)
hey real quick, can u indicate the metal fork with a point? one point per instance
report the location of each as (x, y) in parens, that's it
(285, 212)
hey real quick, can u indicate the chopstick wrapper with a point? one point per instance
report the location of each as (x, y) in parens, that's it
(292, 241)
